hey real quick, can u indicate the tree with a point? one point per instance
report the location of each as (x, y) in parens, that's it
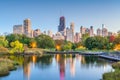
(98, 43)
(74, 46)
(33, 44)
(84, 37)
(111, 38)
(3, 42)
(66, 46)
(20, 37)
(44, 41)
(90, 43)
(16, 47)
(58, 44)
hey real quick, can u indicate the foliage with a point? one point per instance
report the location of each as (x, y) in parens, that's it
(84, 37)
(74, 46)
(90, 43)
(111, 38)
(16, 47)
(3, 42)
(6, 65)
(44, 41)
(98, 42)
(117, 47)
(58, 44)
(113, 75)
(117, 39)
(33, 44)
(67, 46)
(22, 38)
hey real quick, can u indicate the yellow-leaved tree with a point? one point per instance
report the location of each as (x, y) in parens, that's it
(17, 47)
(117, 47)
(33, 44)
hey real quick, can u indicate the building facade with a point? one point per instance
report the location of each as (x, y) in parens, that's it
(27, 27)
(18, 29)
(77, 37)
(58, 36)
(50, 33)
(99, 32)
(70, 33)
(61, 26)
(36, 32)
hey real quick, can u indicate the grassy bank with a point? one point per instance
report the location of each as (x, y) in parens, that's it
(6, 65)
(113, 75)
(38, 51)
(35, 51)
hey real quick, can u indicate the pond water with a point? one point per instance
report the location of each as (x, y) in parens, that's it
(58, 67)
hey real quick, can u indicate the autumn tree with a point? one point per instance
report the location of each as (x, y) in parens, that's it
(3, 42)
(33, 44)
(17, 47)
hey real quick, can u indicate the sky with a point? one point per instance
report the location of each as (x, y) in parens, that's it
(45, 14)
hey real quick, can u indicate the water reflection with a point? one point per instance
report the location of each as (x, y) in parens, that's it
(69, 66)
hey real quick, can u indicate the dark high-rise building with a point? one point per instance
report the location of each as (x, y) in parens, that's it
(61, 26)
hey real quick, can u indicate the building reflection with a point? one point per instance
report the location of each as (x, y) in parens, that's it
(61, 62)
(72, 67)
(27, 65)
(64, 61)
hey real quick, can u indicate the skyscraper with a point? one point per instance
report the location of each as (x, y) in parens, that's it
(99, 32)
(27, 27)
(70, 33)
(104, 31)
(82, 30)
(91, 31)
(77, 37)
(61, 26)
(50, 33)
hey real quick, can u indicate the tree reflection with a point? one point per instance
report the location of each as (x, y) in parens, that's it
(44, 61)
(91, 61)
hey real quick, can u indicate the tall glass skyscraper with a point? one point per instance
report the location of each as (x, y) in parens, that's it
(61, 26)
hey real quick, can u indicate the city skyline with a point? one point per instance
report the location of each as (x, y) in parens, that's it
(44, 14)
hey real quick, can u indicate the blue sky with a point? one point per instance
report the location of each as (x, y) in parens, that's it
(44, 14)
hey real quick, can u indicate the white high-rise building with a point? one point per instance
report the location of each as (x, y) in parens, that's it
(99, 32)
(70, 33)
(50, 33)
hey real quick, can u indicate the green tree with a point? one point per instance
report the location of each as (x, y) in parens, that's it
(67, 45)
(98, 43)
(90, 43)
(84, 37)
(74, 46)
(44, 41)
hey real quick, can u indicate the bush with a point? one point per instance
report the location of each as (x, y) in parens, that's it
(113, 75)
(6, 65)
